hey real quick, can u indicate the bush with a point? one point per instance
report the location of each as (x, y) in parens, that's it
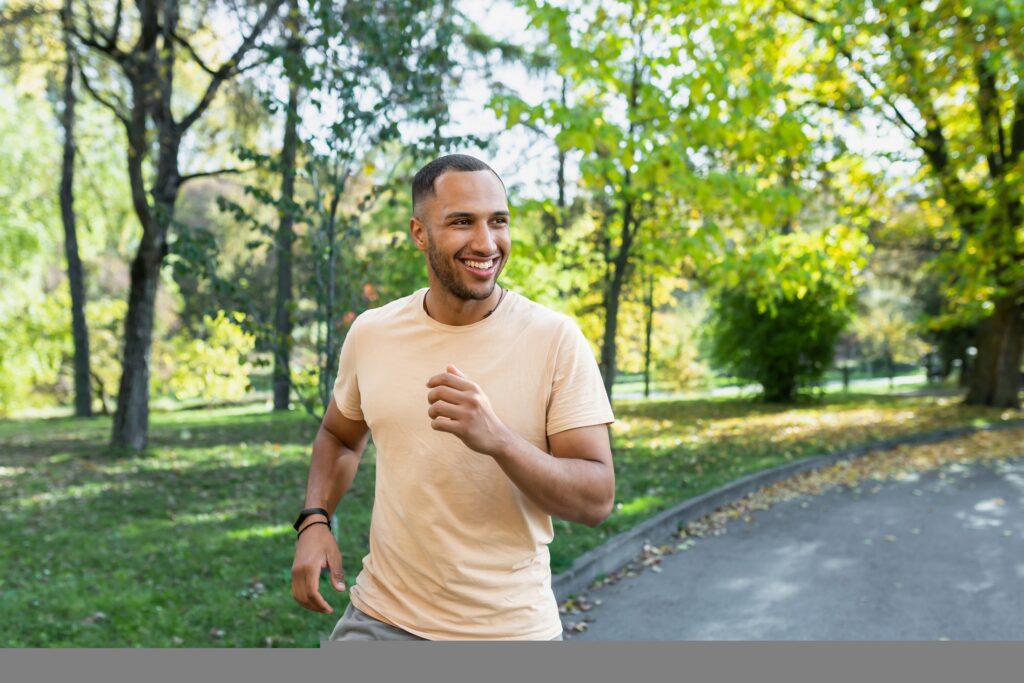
(781, 349)
(215, 367)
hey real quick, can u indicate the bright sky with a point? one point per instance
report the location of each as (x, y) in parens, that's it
(525, 161)
(528, 163)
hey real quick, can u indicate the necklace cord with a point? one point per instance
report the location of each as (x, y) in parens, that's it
(503, 291)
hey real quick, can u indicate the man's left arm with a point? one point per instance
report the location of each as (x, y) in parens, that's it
(577, 484)
(575, 481)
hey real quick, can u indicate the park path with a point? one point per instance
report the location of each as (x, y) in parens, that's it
(937, 556)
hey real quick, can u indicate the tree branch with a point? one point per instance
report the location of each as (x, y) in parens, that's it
(901, 120)
(96, 96)
(23, 14)
(230, 67)
(988, 115)
(149, 23)
(220, 171)
(107, 47)
(115, 30)
(1017, 128)
(192, 52)
(847, 107)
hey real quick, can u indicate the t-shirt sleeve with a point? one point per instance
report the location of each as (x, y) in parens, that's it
(578, 398)
(346, 386)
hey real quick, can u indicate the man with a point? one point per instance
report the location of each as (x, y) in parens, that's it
(488, 414)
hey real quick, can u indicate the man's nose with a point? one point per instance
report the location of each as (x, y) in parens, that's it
(482, 241)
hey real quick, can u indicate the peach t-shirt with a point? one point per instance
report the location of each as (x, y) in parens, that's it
(457, 552)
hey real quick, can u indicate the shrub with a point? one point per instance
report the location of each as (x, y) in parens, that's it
(781, 350)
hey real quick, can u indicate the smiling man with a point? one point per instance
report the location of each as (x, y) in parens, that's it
(488, 415)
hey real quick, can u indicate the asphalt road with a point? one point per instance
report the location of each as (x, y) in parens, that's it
(936, 557)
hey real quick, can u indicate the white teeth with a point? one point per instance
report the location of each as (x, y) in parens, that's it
(480, 265)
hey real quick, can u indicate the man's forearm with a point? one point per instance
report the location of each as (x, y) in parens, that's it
(574, 489)
(331, 471)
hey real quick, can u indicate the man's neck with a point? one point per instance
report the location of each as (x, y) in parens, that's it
(448, 309)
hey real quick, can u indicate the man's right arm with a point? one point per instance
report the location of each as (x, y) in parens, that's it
(337, 450)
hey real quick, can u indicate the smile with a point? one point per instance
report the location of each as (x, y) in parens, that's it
(482, 269)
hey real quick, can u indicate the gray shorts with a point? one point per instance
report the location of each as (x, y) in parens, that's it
(358, 625)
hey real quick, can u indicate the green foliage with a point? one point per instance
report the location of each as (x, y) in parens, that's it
(106, 325)
(945, 74)
(782, 350)
(35, 338)
(214, 367)
(886, 328)
(781, 305)
(676, 355)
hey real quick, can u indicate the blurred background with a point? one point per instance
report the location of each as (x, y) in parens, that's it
(784, 225)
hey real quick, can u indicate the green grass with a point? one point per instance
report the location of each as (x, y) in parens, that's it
(193, 537)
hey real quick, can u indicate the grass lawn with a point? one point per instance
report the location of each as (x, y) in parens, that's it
(190, 544)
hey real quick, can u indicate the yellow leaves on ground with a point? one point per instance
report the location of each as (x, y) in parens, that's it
(894, 464)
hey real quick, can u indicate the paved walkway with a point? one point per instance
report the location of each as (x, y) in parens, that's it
(935, 557)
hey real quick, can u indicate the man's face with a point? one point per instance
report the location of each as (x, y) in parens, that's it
(464, 231)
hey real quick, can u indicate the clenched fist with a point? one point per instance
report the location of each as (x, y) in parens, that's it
(460, 407)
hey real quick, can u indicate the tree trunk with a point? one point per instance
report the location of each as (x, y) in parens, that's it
(613, 295)
(611, 316)
(131, 420)
(647, 336)
(995, 377)
(285, 239)
(76, 278)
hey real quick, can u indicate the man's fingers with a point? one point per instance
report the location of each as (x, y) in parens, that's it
(314, 554)
(305, 589)
(443, 424)
(314, 589)
(446, 393)
(443, 409)
(450, 380)
(319, 604)
(334, 565)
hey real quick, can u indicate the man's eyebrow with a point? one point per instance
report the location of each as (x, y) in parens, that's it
(468, 214)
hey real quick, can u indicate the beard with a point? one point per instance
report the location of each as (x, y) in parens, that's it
(447, 273)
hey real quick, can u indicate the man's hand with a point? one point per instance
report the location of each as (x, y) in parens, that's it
(315, 551)
(458, 406)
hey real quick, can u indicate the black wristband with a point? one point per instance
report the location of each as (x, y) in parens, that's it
(312, 524)
(312, 511)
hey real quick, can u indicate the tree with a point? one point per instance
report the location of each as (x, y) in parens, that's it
(285, 238)
(76, 278)
(946, 74)
(781, 308)
(679, 110)
(28, 45)
(371, 69)
(781, 350)
(149, 62)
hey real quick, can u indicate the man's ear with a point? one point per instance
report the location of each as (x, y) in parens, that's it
(419, 233)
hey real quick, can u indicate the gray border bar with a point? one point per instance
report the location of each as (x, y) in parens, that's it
(644, 662)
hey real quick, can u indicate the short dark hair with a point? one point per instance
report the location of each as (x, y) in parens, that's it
(423, 181)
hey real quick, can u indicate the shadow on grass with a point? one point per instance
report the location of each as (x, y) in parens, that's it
(89, 437)
(169, 557)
